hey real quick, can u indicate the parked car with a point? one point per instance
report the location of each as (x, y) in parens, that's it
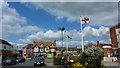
(76, 54)
(10, 61)
(39, 61)
(20, 59)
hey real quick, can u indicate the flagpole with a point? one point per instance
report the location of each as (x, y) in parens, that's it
(67, 45)
(81, 34)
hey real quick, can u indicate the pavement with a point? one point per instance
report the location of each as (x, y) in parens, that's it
(112, 64)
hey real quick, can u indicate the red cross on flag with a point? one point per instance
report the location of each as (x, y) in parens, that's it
(69, 37)
(85, 20)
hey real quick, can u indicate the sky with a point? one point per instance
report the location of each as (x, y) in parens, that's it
(23, 22)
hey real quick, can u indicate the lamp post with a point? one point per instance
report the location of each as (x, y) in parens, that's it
(62, 36)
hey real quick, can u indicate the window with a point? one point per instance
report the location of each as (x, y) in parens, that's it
(36, 49)
(41, 45)
(52, 49)
(4, 47)
(41, 49)
(47, 48)
(116, 52)
(30, 49)
(52, 45)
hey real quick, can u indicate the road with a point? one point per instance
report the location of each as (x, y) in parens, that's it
(30, 64)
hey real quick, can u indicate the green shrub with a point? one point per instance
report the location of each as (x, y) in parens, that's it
(75, 58)
(92, 55)
(57, 61)
(82, 58)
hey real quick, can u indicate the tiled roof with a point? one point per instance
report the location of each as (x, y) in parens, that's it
(30, 46)
(44, 43)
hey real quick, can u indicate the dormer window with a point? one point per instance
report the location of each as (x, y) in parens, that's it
(47, 48)
(52, 45)
(41, 45)
(36, 49)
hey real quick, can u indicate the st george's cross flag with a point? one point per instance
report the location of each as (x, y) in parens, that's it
(85, 20)
(69, 37)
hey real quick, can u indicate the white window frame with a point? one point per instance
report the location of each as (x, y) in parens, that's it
(36, 48)
(52, 45)
(48, 48)
(41, 45)
(41, 50)
(52, 49)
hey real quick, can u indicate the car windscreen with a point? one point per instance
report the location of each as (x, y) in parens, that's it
(39, 59)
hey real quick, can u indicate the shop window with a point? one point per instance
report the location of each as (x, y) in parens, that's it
(52, 49)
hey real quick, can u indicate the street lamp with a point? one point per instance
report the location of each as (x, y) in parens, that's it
(62, 36)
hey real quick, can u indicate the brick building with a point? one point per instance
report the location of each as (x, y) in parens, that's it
(113, 48)
(39, 48)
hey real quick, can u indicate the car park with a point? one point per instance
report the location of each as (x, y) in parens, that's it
(20, 59)
(39, 61)
(10, 61)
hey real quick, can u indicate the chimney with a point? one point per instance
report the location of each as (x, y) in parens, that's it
(55, 41)
(33, 41)
(97, 43)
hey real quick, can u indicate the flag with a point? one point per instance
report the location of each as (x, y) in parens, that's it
(69, 37)
(85, 20)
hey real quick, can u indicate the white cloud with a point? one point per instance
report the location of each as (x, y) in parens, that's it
(108, 41)
(88, 32)
(17, 45)
(72, 43)
(99, 15)
(13, 23)
(102, 32)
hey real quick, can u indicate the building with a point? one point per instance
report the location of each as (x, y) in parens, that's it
(107, 49)
(39, 48)
(70, 50)
(113, 48)
(18, 53)
(5, 49)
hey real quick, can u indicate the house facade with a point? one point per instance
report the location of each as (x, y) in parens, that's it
(39, 48)
(5, 49)
(112, 49)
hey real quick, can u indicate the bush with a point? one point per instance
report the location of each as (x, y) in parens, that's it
(75, 58)
(57, 61)
(94, 55)
(82, 58)
(78, 65)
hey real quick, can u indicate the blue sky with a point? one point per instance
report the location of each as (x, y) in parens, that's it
(25, 22)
